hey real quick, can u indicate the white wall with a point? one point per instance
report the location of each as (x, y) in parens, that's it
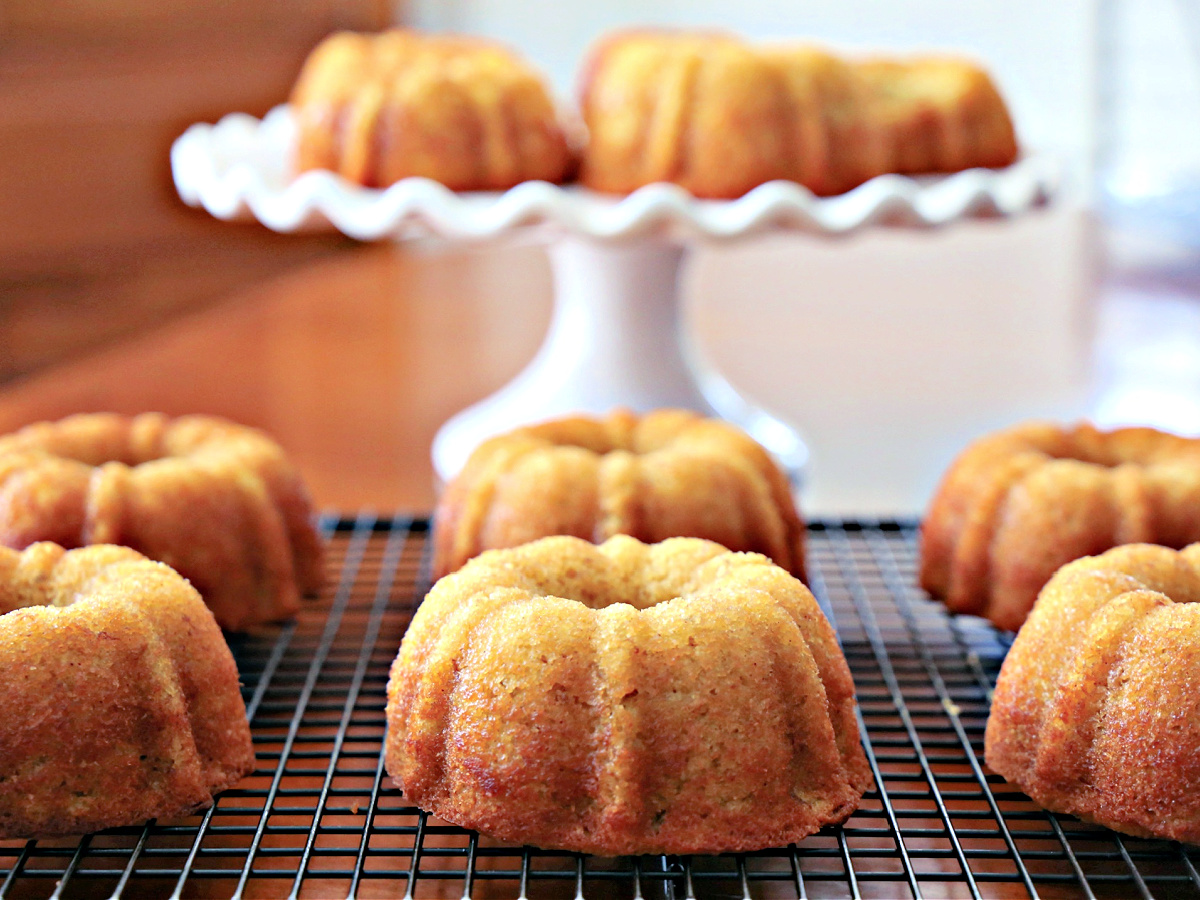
(1151, 85)
(891, 350)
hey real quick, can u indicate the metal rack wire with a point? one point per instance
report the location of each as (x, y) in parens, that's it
(319, 819)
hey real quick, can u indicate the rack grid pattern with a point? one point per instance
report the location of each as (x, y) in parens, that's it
(320, 819)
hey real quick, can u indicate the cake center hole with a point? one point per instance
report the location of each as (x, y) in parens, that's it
(1093, 456)
(598, 590)
(98, 456)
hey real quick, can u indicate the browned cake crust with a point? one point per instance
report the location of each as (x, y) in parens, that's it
(218, 502)
(1096, 711)
(720, 116)
(668, 473)
(1018, 504)
(625, 699)
(376, 108)
(119, 699)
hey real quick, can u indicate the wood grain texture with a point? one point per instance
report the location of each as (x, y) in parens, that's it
(351, 362)
(96, 244)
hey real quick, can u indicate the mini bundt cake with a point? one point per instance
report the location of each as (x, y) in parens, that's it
(625, 699)
(1018, 504)
(218, 502)
(669, 473)
(376, 108)
(119, 699)
(720, 117)
(1096, 710)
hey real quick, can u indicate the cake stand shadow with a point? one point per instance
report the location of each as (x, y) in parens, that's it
(617, 335)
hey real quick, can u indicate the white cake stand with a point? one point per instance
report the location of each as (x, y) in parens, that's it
(616, 337)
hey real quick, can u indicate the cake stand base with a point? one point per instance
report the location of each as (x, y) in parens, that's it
(616, 338)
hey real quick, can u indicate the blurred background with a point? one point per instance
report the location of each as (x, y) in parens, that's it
(890, 349)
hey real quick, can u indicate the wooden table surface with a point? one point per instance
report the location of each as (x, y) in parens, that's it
(352, 363)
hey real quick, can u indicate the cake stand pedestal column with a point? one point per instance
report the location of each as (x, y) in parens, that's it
(616, 338)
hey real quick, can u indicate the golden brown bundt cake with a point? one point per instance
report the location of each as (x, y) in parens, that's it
(1096, 711)
(1018, 504)
(218, 502)
(720, 116)
(668, 473)
(625, 699)
(376, 108)
(119, 699)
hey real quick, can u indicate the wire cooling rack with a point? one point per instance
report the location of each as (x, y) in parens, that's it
(318, 819)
